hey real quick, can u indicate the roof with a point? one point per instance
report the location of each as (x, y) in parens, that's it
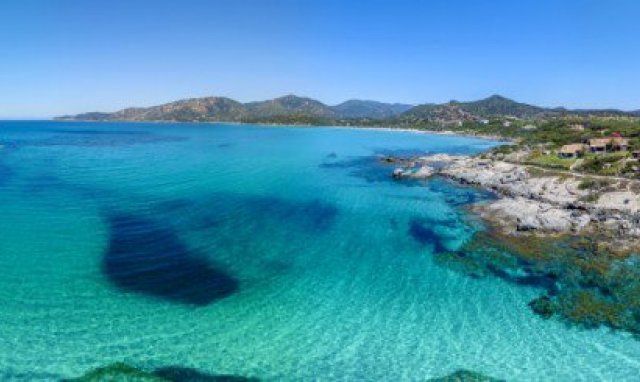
(620, 141)
(572, 149)
(599, 142)
(602, 142)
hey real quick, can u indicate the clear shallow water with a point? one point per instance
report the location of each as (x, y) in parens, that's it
(278, 253)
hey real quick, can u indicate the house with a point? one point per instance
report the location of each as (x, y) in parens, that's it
(506, 123)
(619, 144)
(577, 127)
(529, 127)
(571, 151)
(603, 145)
(484, 121)
(599, 145)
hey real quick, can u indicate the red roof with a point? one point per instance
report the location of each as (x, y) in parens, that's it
(616, 135)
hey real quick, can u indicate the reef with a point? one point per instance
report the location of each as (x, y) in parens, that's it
(117, 372)
(545, 232)
(465, 376)
(122, 372)
(584, 281)
(147, 257)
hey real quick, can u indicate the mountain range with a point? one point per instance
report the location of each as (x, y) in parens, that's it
(295, 109)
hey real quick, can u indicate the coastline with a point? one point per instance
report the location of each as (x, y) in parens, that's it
(579, 244)
(467, 134)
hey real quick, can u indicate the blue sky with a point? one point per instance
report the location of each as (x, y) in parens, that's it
(59, 57)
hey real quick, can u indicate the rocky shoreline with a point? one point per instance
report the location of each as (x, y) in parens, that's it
(539, 203)
(574, 237)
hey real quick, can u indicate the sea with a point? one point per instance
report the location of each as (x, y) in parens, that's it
(269, 252)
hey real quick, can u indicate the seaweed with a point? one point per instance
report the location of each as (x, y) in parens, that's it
(465, 376)
(586, 280)
(144, 256)
(120, 371)
(425, 235)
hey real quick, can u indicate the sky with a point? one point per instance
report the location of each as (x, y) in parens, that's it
(64, 57)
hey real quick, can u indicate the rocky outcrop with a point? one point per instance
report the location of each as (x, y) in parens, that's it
(545, 204)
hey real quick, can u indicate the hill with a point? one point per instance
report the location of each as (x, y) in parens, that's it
(491, 107)
(292, 109)
(369, 109)
(288, 105)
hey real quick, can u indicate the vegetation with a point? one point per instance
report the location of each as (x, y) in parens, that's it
(588, 280)
(592, 184)
(465, 376)
(604, 164)
(550, 161)
(118, 372)
(121, 372)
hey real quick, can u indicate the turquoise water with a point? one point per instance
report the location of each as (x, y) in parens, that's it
(277, 253)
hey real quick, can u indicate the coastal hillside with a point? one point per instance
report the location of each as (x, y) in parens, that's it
(288, 105)
(289, 108)
(494, 106)
(293, 109)
(356, 108)
(193, 109)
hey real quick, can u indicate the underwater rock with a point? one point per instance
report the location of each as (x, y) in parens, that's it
(459, 262)
(117, 372)
(425, 235)
(144, 256)
(465, 376)
(587, 283)
(543, 307)
(187, 374)
(121, 372)
(413, 173)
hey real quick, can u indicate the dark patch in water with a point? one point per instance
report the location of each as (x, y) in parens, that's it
(331, 155)
(425, 235)
(368, 168)
(186, 374)
(315, 215)
(9, 375)
(146, 257)
(458, 195)
(545, 281)
(372, 168)
(224, 145)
